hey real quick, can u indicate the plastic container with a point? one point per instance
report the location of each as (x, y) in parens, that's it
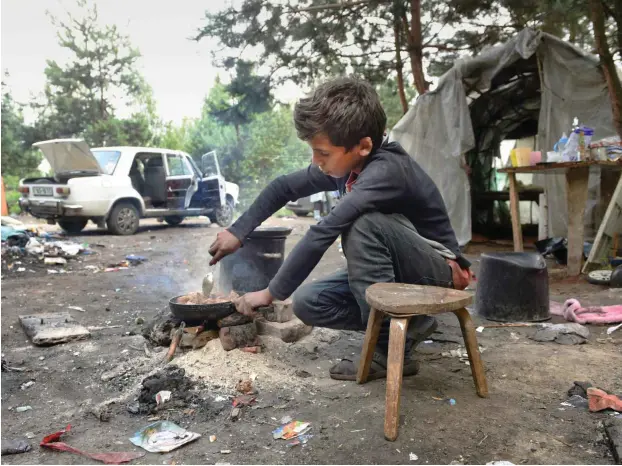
(252, 266)
(513, 287)
(561, 144)
(535, 157)
(523, 156)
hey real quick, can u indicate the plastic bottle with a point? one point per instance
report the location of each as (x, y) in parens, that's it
(561, 144)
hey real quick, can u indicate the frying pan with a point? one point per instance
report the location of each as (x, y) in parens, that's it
(200, 312)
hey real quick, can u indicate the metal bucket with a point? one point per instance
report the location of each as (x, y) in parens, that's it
(513, 287)
(252, 266)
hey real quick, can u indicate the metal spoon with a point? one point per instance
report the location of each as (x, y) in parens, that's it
(208, 284)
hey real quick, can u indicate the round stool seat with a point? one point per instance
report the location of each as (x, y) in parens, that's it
(404, 299)
(513, 287)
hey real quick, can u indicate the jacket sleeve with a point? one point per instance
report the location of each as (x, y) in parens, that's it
(278, 193)
(375, 189)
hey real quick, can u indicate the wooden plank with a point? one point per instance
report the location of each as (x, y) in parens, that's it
(576, 195)
(475, 358)
(517, 233)
(369, 345)
(561, 167)
(543, 217)
(52, 328)
(607, 233)
(395, 369)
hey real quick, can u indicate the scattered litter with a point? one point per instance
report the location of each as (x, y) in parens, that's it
(452, 402)
(500, 463)
(244, 400)
(244, 386)
(53, 442)
(29, 435)
(34, 247)
(599, 400)
(25, 385)
(479, 329)
(576, 401)
(162, 397)
(412, 457)
(610, 330)
(162, 437)
(225, 452)
(302, 439)
(76, 308)
(564, 334)
(21, 409)
(135, 260)
(212, 438)
(15, 447)
(21, 269)
(235, 414)
(291, 430)
(286, 420)
(55, 261)
(220, 398)
(428, 342)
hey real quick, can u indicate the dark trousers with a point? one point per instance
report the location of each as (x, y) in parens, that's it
(379, 249)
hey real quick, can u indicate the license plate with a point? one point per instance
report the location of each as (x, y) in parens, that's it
(43, 190)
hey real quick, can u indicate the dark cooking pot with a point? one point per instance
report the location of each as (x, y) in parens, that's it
(252, 266)
(200, 312)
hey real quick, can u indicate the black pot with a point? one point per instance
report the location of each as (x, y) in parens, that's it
(513, 287)
(252, 266)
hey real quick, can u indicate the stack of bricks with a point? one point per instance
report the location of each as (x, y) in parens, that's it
(276, 320)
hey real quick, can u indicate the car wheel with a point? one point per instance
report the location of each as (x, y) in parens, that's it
(300, 214)
(73, 225)
(174, 219)
(123, 219)
(224, 215)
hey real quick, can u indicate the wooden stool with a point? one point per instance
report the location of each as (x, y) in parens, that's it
(401, 302)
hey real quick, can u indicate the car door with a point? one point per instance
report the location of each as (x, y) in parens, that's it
(213, 182)
(181, 181)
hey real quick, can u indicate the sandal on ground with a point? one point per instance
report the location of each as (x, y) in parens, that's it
(346, 369)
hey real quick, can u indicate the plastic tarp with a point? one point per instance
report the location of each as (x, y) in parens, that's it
(437, 131)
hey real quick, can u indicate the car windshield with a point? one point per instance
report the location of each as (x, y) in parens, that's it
(107, 160)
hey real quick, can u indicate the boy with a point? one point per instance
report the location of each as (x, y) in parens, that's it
(392, 219)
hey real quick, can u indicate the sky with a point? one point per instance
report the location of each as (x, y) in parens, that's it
(179, 70)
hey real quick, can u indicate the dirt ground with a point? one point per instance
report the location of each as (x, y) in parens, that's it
(522, 421)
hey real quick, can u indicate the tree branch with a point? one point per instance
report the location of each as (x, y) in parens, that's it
(336, 6)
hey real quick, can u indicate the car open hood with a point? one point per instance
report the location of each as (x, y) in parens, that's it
(69, 155)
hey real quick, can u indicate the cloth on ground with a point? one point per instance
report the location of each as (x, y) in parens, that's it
(572, 311)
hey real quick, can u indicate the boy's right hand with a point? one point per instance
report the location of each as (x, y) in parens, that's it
(226, 243)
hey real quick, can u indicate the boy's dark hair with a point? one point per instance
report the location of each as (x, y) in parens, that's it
(345, 109)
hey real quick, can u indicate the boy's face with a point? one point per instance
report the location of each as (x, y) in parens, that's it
(335, 161)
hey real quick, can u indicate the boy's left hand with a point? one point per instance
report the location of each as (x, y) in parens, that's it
(247, 303)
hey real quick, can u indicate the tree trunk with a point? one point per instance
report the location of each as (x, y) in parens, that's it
(607, 63)
(415, 45)
(399, 66)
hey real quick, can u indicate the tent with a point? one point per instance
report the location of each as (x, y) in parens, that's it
(533, 85)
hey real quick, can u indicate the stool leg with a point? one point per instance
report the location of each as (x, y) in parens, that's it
(475, 359)
(369, 344)
(395, 369)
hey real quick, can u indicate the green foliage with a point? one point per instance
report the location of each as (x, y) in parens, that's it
(390, 99)
(271, 149)
(81, 97)
(17, 157)
(246, 95)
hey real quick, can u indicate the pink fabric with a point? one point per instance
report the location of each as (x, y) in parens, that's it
(572, 311)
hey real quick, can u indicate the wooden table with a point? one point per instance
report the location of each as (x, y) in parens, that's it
(577, 174)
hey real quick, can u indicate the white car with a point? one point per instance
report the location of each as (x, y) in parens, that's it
(116, 186)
